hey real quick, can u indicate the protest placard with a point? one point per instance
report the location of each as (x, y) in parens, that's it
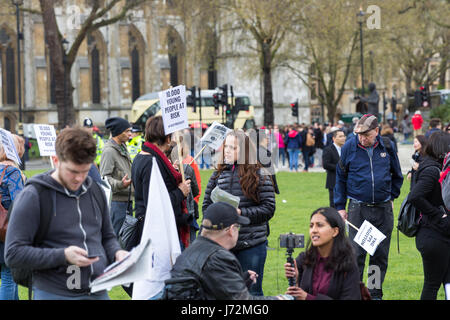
(368, 237)
(46, 137)
(8, 146)
(174, 109)
(215, 135)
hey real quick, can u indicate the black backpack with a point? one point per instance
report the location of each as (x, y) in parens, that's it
(24, 277)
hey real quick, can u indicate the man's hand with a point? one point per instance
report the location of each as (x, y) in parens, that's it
(252, 275)
(78, 256)
(125, 181)
(343, 214)
(121, 254)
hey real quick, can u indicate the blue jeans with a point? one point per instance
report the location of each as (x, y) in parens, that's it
(44, 295)
(118, 212)
(8, 288)
(254, 259)
(293, 159)
(282, 155)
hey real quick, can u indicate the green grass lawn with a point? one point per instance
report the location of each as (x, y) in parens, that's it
(301, 194)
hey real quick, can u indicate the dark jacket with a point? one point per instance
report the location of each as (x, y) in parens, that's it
(77, 221)
(426, 196)
(343, 285)
(364, 178)
(220, 273)
(293, 140)
(258, 213)
(141, 174)
(330, 158)
(417, 157)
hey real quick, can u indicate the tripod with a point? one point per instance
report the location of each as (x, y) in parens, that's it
(289, 252)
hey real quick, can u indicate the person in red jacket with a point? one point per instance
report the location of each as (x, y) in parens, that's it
(417, 121)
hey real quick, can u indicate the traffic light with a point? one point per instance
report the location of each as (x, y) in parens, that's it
(394, 105)
(216, 103)
(294, 107)
(193, 99)
(424, 97)
(224, 95)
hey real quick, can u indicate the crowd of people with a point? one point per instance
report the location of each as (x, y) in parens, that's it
(62, 224)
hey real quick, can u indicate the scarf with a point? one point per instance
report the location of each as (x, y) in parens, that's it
(183, 231)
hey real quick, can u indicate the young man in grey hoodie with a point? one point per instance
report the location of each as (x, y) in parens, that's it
(80, 241)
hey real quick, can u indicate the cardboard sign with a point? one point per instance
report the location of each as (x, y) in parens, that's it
(369, 237)
(9, 146)
(46, 137)
(174, 109)
(215, 135)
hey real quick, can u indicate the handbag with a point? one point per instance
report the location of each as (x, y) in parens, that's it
(408, 219)
(3, 213)
(129, 236)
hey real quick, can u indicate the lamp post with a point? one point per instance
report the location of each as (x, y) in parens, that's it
(18, 3)
(360, 16)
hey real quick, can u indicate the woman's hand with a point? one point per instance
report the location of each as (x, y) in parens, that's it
(297, 293)
(415, 166)
(185, 187)
(291, 271)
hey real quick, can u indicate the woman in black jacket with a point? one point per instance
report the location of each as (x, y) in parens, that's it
(327, 270)
(433, 236)
(239, 173)
(156, 144)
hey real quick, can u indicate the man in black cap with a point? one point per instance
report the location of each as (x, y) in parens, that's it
(369, 175)
(115, 164)
(210, 262)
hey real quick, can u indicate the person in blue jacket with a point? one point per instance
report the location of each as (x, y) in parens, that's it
(293, 142)
(370, 176)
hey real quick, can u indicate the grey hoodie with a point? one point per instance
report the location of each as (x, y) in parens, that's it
(78, 220)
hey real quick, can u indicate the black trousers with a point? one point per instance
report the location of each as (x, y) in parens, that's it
(331, 195)
(382, 218)
(436, 262)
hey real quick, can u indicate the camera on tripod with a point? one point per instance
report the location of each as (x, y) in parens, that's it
(290, 241)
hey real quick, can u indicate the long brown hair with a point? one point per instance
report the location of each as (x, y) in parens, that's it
(247, 165)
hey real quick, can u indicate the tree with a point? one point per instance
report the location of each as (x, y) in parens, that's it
(416, 39)
(267, 22)
(102, 13)
(328, 38)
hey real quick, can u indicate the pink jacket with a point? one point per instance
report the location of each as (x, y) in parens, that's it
(280, 140)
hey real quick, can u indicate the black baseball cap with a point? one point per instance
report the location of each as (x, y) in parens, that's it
(223, 215)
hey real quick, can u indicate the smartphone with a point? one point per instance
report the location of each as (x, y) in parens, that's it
(93, 255)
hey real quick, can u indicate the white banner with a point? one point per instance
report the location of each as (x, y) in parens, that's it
(369, 237)
(174, 109)
(215, 135)
(46, 137)
(160, 227)
(8, 146)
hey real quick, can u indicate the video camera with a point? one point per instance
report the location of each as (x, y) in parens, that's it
(290, 241)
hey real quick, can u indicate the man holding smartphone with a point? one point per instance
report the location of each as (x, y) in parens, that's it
(79, 241)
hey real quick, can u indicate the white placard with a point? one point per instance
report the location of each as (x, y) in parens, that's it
(8, 146)
(215, 135)
(174, 109)
(369, 237)
(46, 137)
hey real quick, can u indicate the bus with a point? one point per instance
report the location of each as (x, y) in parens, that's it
(148, 105)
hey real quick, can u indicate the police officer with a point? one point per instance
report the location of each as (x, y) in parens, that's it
(369, 175)
(134, 146)
(87, 123)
